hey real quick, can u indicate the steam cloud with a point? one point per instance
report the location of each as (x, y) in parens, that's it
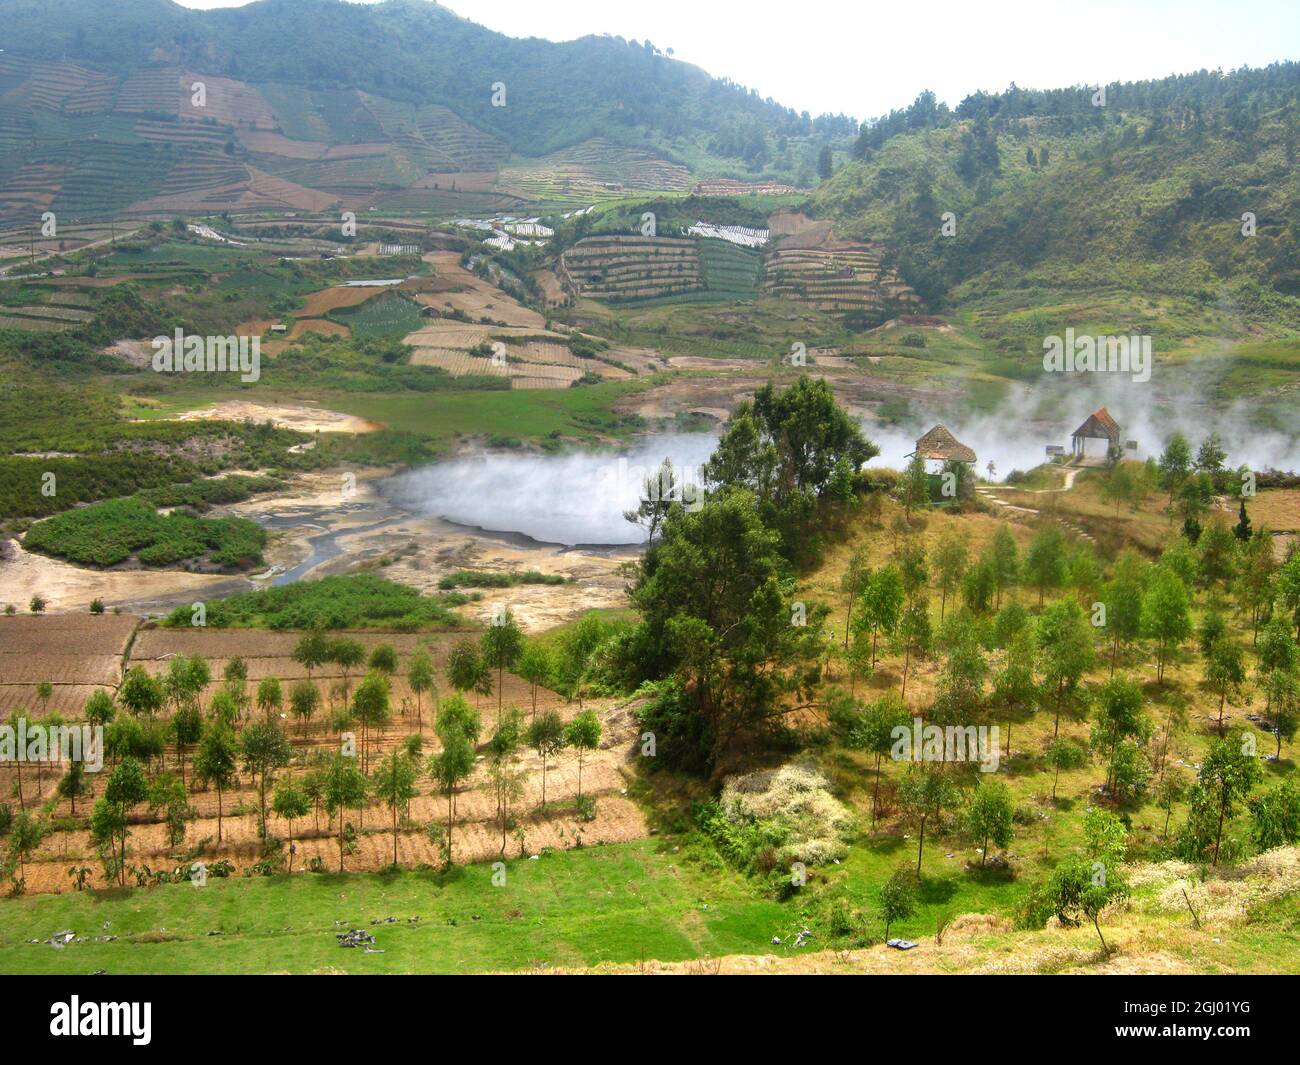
(1015, 435)
(557, 499)
(580, 498)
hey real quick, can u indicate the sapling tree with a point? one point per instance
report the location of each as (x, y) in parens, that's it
(347, 654)
(265, 750)
(898, 897)
(950, 560)
(25, 835)
(1065, 652)
(270, 697)
(304, 700)
(345, 788)
(127, 787)
(1228, 773)
(167, 793)
(853, 583)
(546, 737)
(505, 782)
(1225, 672)
(311, 651)
(187, 730)
(1015, 689)
(882, 605)
(140, 693)
(290, 802)
(449, 768)
(393, 783)
(214, 762)
(501, 646)
(73, 785)
(1166, 617)
(914, 634)
(1064, 754)
(989, 816)
(1080, 887)
(1044, 566)
(370, 704)
(420, 678)
(583, 734)
(924, 792)
(535, 667)
(384, 659)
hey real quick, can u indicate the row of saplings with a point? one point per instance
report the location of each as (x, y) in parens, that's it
(231, 736)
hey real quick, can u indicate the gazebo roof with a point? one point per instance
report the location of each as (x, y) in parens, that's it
(940, 444)
(1099, 426)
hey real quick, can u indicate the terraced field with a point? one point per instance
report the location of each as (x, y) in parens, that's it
(730, 270)
(632, 268)
(837, 278)
(593, 170)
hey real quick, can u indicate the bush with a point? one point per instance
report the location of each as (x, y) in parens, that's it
(789, 809)
(105, 534)
(343, 602)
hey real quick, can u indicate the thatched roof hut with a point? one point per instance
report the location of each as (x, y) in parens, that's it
(941, 446)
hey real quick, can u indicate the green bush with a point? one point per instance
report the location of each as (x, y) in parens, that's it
(105, 534)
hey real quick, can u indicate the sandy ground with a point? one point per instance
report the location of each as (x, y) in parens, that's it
(419, 551)
(304, 419)
(65, 587)
(328, 523)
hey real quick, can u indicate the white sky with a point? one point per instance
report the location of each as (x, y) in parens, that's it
(846, 56)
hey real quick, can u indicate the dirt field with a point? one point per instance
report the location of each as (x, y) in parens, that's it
(76, 653)
(474, 296)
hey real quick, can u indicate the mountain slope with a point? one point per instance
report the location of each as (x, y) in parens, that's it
(413, 51)
(1145, 194)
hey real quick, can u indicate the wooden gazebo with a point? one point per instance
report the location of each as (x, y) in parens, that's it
(1098, 426)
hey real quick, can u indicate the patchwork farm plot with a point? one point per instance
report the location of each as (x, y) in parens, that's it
(370, 837)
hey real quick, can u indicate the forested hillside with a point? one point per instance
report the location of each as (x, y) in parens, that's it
(418, 52)
(1144, 192)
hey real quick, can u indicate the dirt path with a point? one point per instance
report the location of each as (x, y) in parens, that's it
(986, 492)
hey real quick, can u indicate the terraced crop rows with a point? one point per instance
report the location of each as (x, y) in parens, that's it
(841, 279)
(154, 90)
(616, 267)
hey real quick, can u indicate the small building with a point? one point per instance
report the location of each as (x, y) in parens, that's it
(1099, 426)
(939, 445)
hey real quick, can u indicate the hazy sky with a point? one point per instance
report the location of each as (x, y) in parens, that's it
(863, 59)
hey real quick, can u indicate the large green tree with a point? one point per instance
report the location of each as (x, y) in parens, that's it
(719, 613)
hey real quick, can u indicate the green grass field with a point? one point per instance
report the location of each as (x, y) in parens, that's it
(614, 903)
